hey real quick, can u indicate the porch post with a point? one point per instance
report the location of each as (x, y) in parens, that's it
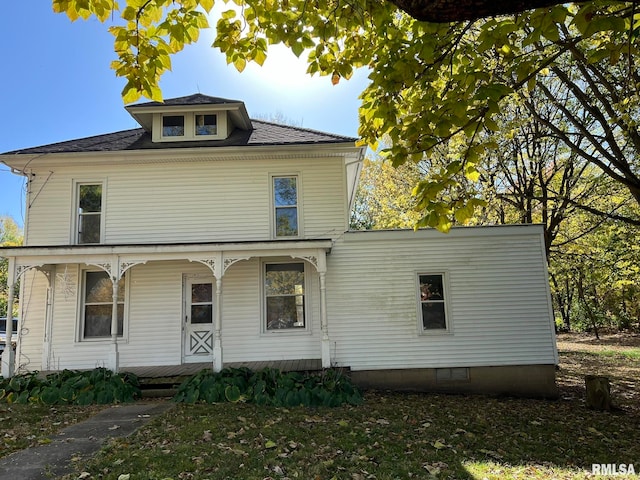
(217, 342)
(114, 360)
(8, 356)
(48, 317)
(324, 324)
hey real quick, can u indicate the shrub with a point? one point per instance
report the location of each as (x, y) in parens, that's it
(270, 386)
(99, 386)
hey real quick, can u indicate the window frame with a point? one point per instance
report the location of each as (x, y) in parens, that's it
(75, 213)
(184, 126)
(299, 217)
(190, 128)
(82, 303)
(263, 295)
(446, 292)
(195, 125)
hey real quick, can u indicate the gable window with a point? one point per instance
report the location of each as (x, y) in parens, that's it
(285, 201)
(206, 124)
(433, 311)
(89, 219)
(284, 287)
(173, 126)
(97, 305)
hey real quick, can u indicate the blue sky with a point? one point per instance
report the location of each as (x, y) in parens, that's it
(56, 85)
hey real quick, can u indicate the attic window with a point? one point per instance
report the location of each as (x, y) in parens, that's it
(173, 126)
(206, 124)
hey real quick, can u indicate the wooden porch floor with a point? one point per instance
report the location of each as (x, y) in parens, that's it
(187, 369)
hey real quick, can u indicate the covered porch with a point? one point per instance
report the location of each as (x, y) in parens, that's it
(116, 260)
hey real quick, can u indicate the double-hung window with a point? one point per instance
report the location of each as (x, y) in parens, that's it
(433, 308)
(89, 220)
(97, 305)
(284, 290)
(285, 202)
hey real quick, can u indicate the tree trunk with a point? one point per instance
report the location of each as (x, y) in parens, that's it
(598, 392)
(587, 308)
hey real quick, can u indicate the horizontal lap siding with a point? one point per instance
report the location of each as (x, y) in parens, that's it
(49, 209)
(34, 286)
(188, 202)
(155, 315)
(65, 351)
(498, 301)
(242, 337)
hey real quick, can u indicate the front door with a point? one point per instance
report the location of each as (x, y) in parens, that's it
(198, 320)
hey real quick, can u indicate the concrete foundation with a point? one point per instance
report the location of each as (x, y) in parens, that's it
(534, 381)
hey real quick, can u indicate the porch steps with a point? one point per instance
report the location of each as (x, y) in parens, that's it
(163, 381)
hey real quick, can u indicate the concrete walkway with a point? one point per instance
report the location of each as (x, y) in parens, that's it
(82, 439)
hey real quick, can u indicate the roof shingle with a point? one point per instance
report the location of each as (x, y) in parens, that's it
(263, 134)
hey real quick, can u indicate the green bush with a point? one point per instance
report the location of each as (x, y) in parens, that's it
(100, 386)
(329, 388)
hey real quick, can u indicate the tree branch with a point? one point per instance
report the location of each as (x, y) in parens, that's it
(446, 11)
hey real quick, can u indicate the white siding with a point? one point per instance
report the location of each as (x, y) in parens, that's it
(33, 305)
(198, 201)
(153, 332)
(242, 337)
(499, 304)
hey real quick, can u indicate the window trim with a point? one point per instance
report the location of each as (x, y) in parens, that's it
(75, 207)
(80, 339)
(184, 126)
(299, 209)
(307, 329)
(446, 301)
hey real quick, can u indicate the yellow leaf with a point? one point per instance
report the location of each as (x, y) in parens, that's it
(207, 5)
(240, 64)
(130, 94)
(439, 445)
(259, 57)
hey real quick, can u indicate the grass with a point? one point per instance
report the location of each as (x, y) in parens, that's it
(395, 436)
(392, 436)
(30, 425)
(633, 353)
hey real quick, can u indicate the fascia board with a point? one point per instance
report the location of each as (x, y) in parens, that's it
(42, 160)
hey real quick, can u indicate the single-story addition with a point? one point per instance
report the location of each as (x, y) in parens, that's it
(207, 238)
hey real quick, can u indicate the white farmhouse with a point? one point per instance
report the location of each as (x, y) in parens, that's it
(205, 238)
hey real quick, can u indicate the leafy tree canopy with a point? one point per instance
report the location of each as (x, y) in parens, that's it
(10, 236)
(431, 84)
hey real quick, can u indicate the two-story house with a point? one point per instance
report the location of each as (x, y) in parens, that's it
(208, 237)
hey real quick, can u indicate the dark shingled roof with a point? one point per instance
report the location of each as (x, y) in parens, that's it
(263, 134)
(195, 99)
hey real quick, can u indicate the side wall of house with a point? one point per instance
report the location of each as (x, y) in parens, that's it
(207, 200)
(497, 299)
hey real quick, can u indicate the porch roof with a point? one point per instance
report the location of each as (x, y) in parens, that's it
(218, 256)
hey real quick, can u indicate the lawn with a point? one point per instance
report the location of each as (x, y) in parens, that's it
(398, 436)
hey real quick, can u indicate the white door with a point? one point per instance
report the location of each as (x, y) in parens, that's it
(198, 320)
